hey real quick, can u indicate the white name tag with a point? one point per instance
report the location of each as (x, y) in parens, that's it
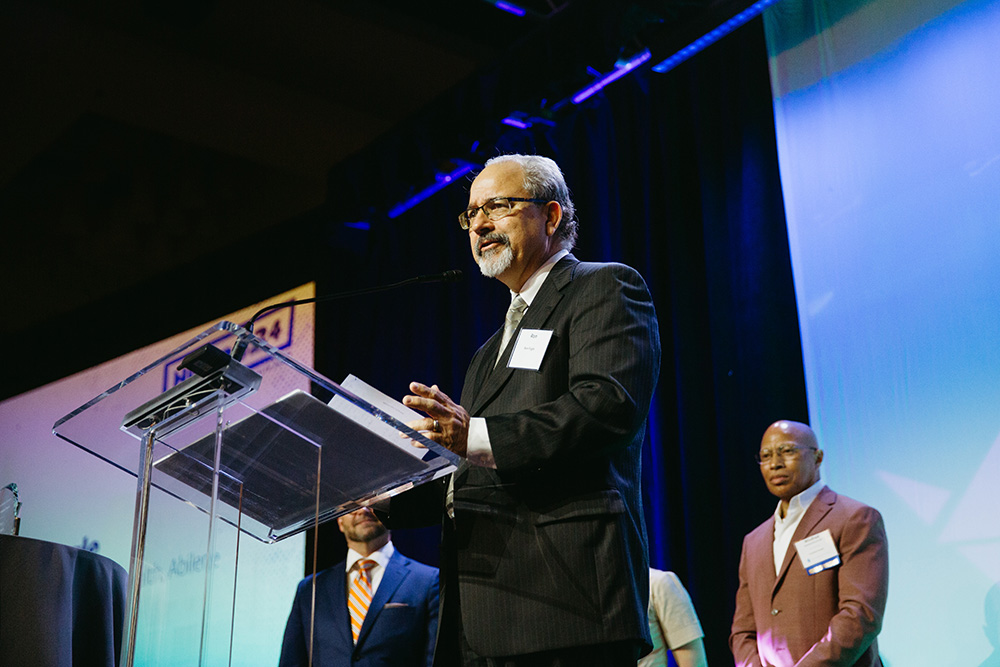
(818, 552)
(529, 348)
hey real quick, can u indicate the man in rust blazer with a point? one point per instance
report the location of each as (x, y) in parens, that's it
(784, 615)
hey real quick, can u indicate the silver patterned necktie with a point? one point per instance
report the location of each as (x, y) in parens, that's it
(513, 318)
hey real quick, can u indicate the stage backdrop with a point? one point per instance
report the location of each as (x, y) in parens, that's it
(889, 148)
(71, 497)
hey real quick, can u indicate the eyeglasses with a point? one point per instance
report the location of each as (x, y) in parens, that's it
(496, 208)
(786, 452)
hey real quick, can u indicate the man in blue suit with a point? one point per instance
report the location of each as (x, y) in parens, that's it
(400, 625)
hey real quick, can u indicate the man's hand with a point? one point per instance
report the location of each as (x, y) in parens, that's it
(447, 422)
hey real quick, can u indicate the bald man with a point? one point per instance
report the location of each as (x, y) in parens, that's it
(814, 576)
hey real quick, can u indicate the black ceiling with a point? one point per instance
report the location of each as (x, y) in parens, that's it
(141, 136)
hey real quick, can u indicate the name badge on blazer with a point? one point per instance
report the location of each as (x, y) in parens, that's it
(818, 552)
(529, 348)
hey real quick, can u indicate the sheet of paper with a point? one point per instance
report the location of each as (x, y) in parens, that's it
(386, 404)
(383, 402)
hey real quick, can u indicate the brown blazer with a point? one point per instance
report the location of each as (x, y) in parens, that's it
(829, 618)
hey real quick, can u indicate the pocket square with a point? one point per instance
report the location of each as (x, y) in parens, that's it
(394, 605)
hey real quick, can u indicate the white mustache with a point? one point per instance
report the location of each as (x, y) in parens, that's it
(492, 237)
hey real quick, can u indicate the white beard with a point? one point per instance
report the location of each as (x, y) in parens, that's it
(495, 262)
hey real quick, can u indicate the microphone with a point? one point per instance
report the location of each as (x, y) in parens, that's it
(450, 276)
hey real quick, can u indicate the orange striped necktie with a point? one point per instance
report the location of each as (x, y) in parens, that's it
(359, 594)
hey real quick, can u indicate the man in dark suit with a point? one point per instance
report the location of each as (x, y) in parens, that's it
(401, 597)
(545, 559)
(814, 577)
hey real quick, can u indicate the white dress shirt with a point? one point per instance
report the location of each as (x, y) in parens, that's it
(785, 528)
(381, 558)
(479, 451)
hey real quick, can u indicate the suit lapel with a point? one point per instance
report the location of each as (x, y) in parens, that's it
(819, 508)
(331, 602)
(761, 550)
(395, 572)
(492, 379)
(480, 368)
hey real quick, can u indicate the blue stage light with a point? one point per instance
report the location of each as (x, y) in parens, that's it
(441, 181)
(508, 7)
(712, 36)
(516, 122)
(619, 72)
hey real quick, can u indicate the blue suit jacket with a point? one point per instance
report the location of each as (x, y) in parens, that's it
(399, 630)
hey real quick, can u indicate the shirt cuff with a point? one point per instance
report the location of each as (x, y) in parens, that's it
(479, 451)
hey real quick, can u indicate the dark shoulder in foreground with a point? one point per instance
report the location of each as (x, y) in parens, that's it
(582, 269)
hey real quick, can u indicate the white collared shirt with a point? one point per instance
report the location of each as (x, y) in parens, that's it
(479, 451)
(529, 290)
(785, 528)
(381, 558)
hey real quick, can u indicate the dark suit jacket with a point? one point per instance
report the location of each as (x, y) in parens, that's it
(549, 550)
(829, 618)
(399, 629)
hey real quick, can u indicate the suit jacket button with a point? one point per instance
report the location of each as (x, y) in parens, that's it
(774, 612)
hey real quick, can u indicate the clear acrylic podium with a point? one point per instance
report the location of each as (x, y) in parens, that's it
(262, 446)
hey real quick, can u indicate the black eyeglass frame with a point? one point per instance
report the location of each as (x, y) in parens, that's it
(784, 451)
(465, 217)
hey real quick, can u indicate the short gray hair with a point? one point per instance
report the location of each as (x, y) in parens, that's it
(543, 179)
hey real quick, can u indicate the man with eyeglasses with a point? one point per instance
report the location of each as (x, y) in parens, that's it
(544, 550)
(814, 577)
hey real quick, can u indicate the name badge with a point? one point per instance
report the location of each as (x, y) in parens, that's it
(529, 348)
(818, 552)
